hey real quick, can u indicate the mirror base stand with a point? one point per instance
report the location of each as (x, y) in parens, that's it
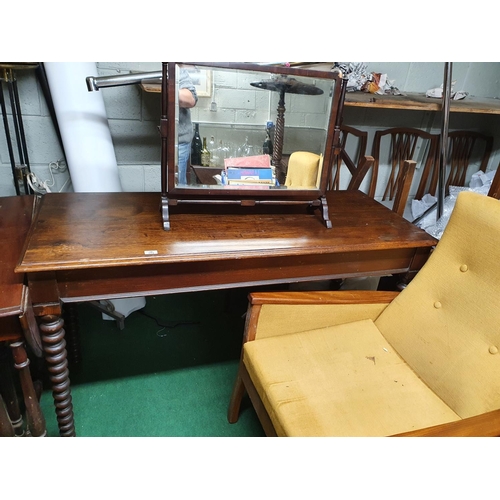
(325, 214)
(164, 213)
(320, 203)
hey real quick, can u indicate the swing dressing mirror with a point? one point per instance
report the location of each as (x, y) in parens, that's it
(238, 108)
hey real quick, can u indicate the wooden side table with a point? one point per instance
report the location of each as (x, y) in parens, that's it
(17, 323)
(98, 246)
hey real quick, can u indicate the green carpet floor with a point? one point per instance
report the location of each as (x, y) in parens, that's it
(169, 372)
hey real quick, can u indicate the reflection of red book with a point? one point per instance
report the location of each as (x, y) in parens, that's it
(258, 161)
(246, 186)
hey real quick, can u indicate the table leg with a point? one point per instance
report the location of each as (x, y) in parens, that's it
(73, 346)
(34, 416)
(8, 392)
(54, 347)
(6, 427)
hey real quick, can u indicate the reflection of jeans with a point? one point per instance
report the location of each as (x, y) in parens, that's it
(184, 151)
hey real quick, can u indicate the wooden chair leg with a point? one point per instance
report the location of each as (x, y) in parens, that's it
(6, 427)
(239, 391)
(34, 416)
(8, 392)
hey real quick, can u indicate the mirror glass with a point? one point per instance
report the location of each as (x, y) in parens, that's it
(245, 129)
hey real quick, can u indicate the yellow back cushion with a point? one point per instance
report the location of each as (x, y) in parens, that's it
(446, 323)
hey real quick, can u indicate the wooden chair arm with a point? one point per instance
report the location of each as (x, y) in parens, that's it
(323, 297)
(358, 176)
(341, 306)
(484, 425)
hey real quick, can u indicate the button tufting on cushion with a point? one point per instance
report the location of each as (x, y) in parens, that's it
(493, 349)
(464, 268)
(437, 304)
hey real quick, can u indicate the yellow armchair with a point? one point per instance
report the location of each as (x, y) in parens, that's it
(425, 361)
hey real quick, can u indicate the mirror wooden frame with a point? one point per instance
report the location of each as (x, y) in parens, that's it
(173, 195)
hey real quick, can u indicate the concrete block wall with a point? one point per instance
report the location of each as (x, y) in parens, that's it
(235, 116)
(42, 142)
(134, 116)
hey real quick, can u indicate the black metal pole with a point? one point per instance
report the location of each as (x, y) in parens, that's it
(21, 137)
(443, 155)
(9, 140)
(15, 114)
(24, 145)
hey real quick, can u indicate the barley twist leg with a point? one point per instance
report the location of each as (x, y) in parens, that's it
(54, 347)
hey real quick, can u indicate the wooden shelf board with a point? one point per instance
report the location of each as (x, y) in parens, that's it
(410, 101)
(419, 102)
(151, 87)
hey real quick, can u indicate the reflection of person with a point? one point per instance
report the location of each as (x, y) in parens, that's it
(187, 99)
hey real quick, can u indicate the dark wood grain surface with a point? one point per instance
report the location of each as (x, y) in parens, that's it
(96, 230)
(90, 246)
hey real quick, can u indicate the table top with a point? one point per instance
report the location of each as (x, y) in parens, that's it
(15, 218)
(77, 231)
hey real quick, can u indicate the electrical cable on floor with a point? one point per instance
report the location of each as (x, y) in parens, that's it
(42, 187)
(38, 186)
(168, 324)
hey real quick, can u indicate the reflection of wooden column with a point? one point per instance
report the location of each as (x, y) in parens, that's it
(279, 131)
(283, 85)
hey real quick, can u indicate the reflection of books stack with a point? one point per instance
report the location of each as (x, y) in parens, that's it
(241, 176)
(249, 170)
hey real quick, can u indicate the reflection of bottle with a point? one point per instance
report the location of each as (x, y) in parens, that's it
(243, 149)
(196, 146)
(212, 149)
(221, 154)
(267, 147)
(205, 154)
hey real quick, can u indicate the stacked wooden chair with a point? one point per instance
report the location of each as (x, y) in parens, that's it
(352, 155)
(396, 145)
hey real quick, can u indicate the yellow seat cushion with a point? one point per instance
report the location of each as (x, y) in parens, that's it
(344, 380)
